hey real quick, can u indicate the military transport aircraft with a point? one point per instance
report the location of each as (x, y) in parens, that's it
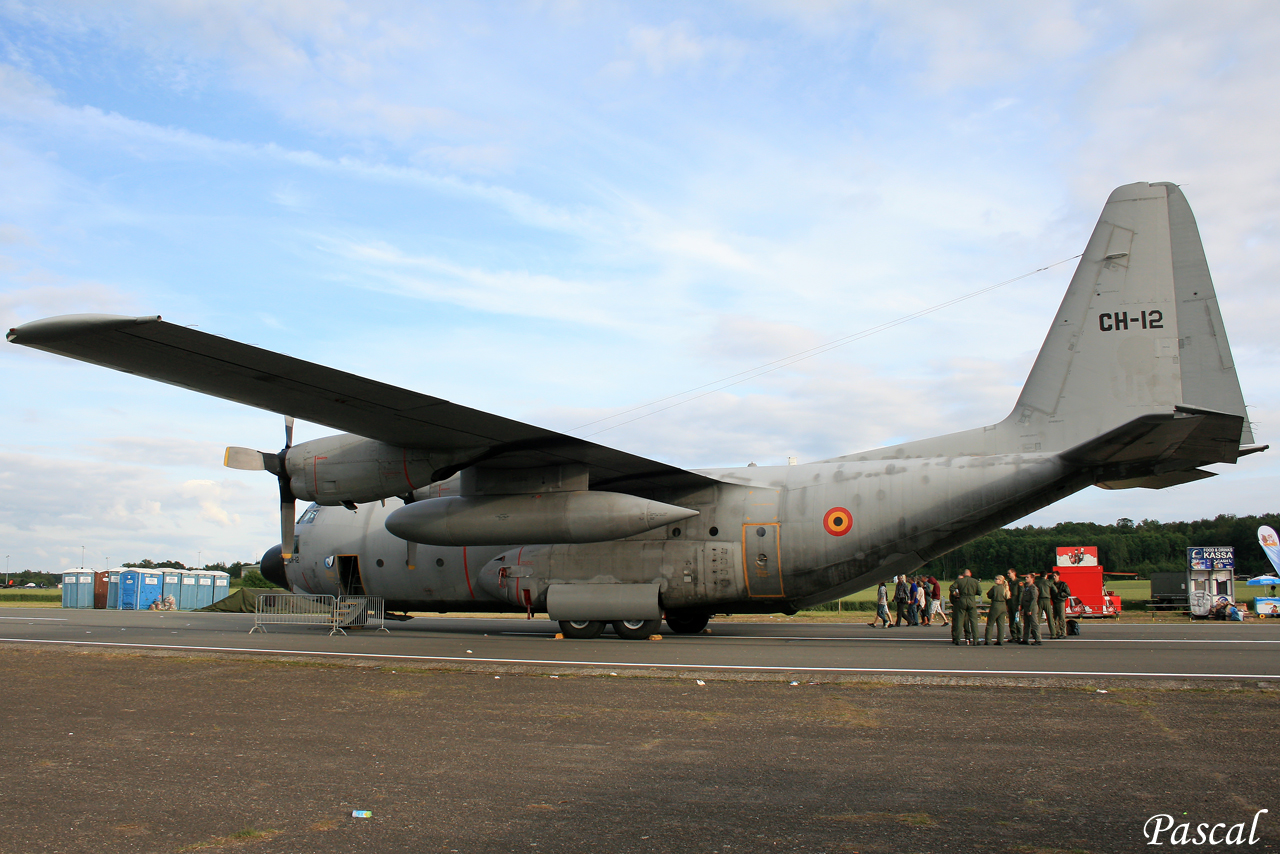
(434, 506)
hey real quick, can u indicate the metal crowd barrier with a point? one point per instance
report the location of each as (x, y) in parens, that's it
(303, 609)
(360, 612)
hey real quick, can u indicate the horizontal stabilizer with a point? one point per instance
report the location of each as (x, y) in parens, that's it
(1158, 481)
(1188, 435)
(1159, 450)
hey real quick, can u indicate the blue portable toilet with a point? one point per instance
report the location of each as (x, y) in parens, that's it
(187, 599)
(204, 588)
(71, 589)
(221, 585)
(171, 585)
(149, 591)
(84, 589)
(139, 588)
(113, 589)
(127, 598)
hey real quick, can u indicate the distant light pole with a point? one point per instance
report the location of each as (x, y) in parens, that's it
(198, 553)
(6, 570)
(82, 558)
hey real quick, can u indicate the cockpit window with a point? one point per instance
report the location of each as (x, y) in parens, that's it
(308, 516)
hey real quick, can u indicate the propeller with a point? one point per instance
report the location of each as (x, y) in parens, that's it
(247, 459)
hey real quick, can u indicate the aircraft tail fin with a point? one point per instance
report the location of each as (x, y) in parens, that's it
(1136, 367)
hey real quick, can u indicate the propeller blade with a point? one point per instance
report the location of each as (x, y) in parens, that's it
(288, 505)
(411, 556)
(288, 514)
(247, 459)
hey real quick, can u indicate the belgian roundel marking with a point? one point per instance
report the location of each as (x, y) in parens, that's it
(837, 521)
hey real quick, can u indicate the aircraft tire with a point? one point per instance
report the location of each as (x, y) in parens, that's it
(687, 622)
(581, 629)
(636, 629)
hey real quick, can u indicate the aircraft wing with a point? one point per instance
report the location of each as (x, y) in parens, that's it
(181, 356)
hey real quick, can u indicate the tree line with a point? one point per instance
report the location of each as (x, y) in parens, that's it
(234, 570)
(1142, 547)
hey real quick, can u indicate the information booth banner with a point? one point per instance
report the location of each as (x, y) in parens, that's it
(1211, 557)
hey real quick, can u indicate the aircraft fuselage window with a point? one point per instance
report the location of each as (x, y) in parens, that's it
(759, 532)
(312, 512)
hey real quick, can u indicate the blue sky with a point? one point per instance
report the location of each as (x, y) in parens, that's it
(558, 211)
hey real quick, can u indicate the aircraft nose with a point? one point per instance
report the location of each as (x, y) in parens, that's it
(272, 568)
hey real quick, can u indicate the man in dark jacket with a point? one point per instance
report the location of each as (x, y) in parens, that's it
(957, 618)
(1015, 590)
(900, 599)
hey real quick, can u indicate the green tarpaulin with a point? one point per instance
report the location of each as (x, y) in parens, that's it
(242, 601)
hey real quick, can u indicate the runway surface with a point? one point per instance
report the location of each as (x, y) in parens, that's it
(158, 732)
(1201, 651)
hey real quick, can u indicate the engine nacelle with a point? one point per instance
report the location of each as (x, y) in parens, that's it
(343, 468)
(579, 516)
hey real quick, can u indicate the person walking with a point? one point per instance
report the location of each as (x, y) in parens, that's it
(900, 599)
(1030, 602)
(913, 610)
(1044, 590)
(924, 602)
(1015, 591)
(1059, 594)
(935, 605)
(998, 613)
(882, 605)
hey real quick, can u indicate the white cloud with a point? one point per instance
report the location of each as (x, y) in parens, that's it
(751, 181)
(673, 48)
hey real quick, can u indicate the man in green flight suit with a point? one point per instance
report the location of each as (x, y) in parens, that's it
(998, 613)
(1059, 594)
(969, 590)
(1044, 587)
(1030, 602)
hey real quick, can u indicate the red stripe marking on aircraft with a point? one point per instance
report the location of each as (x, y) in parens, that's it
(315, 473)
(466, 573)
(404, 458)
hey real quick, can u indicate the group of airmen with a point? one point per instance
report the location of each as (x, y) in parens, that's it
(1016, 605)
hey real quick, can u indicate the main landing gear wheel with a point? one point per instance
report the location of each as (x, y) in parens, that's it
(687, 623)
(581, 629)
(636, 629)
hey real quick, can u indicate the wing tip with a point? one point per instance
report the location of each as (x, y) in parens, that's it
(49, 329)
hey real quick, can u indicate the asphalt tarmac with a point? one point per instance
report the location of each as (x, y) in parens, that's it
(122, 736)
(1181, 653)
